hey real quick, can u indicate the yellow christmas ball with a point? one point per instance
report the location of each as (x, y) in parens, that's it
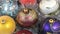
(7, 25)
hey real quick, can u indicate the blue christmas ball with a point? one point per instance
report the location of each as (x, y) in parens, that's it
(48, 24)
(46, 27)
(51, 25)
(9, 7)
(56, 26)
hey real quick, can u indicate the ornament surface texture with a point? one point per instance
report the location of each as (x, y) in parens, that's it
(27, 17)
(28, 3)
(51, 25)
(9, 7)
(7, 25)
(24, 32)
(48, 6)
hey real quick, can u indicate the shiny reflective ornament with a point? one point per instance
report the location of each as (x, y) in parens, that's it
(46, 25)
(49, 7)
(9, 7)
(56, 26)
(28, 3)
(7, 25)
(27, 17)
(24, 32)
(51, 25)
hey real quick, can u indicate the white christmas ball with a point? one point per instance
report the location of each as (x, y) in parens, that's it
(48, 6)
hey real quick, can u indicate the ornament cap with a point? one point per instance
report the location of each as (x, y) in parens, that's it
(26, 11)
(3, 21)
(51, 21)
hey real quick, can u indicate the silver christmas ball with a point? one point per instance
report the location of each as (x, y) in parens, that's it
(9, 7)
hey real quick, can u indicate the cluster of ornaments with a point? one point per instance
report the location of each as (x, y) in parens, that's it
(26, 17)
(10, 7)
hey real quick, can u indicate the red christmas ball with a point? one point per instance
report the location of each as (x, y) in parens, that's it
(27, 17)
(24, 32)
(27, 2)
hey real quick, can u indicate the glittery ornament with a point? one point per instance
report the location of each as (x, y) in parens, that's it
(9, 7)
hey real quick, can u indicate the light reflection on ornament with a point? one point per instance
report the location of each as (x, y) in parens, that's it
(6, 7)
(46, 27)
(56, 26)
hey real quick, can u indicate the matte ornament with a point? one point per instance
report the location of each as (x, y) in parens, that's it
(24, 32)
(7, 25)
(27, 17)
(9, 7)
(48, 7)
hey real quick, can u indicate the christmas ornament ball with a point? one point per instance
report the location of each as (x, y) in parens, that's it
(51, 25)
(29, 3)
(48, 6)
(7, 25)
(27, 17)
(9, 7)
(24, 32)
